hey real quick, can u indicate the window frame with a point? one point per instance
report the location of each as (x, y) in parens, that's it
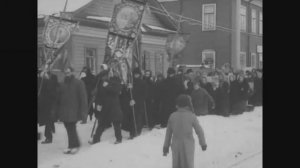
(243, 27)
(214, 56)
(253, 61)
(260, 28)
(204, 28)
(253, 21)
(94, 71)
(245, 58)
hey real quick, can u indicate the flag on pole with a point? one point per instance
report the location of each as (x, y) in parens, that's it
(63, 56)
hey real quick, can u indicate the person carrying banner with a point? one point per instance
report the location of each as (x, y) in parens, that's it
(137, 102)
(46, 104)
(108, 106)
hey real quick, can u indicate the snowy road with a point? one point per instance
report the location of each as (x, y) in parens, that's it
(234, 142)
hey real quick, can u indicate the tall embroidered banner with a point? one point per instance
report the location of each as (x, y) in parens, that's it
(123, 33)
(56, 34)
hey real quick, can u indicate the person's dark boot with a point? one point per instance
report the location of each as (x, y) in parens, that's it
(118, 141)
(93, 142)
(47, 141)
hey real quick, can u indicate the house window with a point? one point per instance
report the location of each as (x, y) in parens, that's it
(243, 60)
(159, 62)
(253, 20)
(209, 58)
(243, 13)
(260, 23)
(90, 59)
(208, 17)
(253, 60)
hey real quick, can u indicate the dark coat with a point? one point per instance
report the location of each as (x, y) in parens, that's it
(208, 88)
(258, 89)
(108, 98)
(157, 107)
(201, 100)
(179, 135)
(150, 101)
(242, 89)
(139, 94)
(171, 89)
(89, 82)
(72, 101)
(190, 88)
(222, 99)
(234, 93)
(127, 123)
(47, 100)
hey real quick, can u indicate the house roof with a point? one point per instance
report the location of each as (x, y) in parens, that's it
(77, 7)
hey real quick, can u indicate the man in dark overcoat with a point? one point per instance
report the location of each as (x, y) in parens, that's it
(138, 101)
(171, 89)
(72, 107)
(149, 102)
(108, 106)
(46, 103)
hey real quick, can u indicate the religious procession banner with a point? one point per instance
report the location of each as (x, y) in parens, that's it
(56, 34)
(124, 30)
(174, 45)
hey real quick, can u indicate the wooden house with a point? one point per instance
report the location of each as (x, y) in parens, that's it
(88, 43)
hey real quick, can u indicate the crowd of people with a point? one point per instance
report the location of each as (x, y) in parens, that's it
(147, 101)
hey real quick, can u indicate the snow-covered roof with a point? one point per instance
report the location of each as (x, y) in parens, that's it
(101, 18)
(49, 7)
(166, 0)
(108, 19)
(159, 28)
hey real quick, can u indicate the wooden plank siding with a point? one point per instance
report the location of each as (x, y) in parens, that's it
(152, 49)
(78, 48)
(106, 7)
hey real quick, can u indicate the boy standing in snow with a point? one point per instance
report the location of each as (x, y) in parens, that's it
(180, 130)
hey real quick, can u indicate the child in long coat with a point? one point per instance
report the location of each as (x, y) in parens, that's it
(180, 130)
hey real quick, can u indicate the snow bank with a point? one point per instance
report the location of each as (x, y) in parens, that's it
(234, 141)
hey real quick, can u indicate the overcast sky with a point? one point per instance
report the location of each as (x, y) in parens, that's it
(51, 6)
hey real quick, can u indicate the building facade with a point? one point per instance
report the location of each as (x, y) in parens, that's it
(223, 31)
(88, 43)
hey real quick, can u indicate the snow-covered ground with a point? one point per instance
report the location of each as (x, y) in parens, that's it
(233, 142)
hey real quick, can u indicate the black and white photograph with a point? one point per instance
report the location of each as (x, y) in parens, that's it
(149, 83)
